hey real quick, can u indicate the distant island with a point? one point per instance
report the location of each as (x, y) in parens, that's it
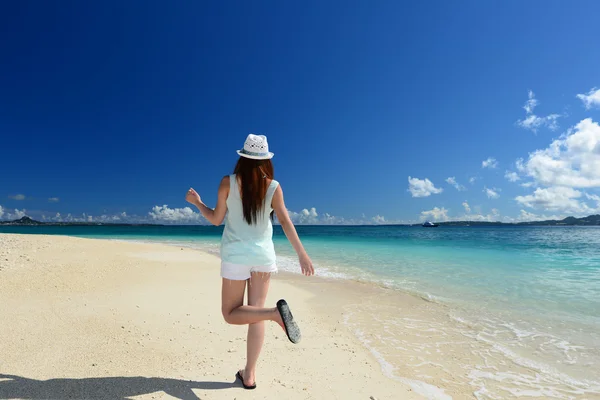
(27, 221)
(591, 220)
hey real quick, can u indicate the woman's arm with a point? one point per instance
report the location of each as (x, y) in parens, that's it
(217, 215)
(290, 232)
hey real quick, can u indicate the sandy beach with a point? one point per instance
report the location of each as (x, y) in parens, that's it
(87, 318)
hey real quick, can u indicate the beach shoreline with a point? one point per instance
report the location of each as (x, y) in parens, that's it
(363, 339)
(468, 349)
(94, 318)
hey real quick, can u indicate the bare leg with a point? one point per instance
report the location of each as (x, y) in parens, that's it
(236, 313)
(258, 286)
(254, 314)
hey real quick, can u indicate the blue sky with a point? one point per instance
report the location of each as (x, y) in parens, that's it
(114, 109)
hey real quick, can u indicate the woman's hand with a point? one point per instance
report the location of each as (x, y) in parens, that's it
(192, 197)
(306, 265)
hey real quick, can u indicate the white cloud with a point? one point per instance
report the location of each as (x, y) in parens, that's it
(68, 218)
(19, 214)
(308, 217)
(330, 219)
(53, 199)
(591, 99)
(489, 163)
(164, 214)
(573, 160)
(436, 214)
(512, 176)
(527, 216)
(592, 197)
(528, 184)
(452, 181)
(532, 121)
(531, 103)
(467, 207)
(312, 213)
(491, 193)
(477, 215)
(1, 211)
(17, 197)
(557, 198)
(379, 219)
(112, 218)
(16, 214)
(595, 198)
(472, 179)
(422, 187)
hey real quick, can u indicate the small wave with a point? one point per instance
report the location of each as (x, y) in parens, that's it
(420, 387)
(538, 378)
(284, 263)
(291, 264)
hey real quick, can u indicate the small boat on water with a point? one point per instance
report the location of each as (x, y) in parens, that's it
(428, 224)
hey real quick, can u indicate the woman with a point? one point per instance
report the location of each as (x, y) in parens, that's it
(246, 201)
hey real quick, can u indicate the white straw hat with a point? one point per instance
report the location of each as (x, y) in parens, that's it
(256, 147)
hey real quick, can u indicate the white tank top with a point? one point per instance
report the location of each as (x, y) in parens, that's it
(246, 244)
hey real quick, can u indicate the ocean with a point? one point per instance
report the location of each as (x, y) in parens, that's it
(523, 303)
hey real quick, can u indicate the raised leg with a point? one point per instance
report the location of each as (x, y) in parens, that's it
(236, 313)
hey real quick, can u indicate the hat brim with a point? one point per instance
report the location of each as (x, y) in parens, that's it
(267, 157)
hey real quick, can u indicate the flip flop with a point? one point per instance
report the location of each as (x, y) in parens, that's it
(291, 328)
(241, 378)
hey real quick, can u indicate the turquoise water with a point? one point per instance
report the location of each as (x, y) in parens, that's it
(529, 281)
(554, 270)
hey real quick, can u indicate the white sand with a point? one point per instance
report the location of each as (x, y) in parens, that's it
(82, 318)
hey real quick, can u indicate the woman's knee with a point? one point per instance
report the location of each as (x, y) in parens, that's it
(227, 315)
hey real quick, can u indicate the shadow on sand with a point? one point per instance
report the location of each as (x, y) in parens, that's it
(17, 387)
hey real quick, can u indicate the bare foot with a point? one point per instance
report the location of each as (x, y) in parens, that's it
(248, 379)
(278, 319)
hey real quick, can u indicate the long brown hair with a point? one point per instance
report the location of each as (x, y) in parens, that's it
(253, 176)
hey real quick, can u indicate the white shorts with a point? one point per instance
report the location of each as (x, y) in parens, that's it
(238, 272)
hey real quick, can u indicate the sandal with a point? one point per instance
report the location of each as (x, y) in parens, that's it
(291, 328)
(241, 378)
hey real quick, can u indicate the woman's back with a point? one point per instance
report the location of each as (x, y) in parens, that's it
(245, 201)
(243, 243)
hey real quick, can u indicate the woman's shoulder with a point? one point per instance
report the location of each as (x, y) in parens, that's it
(225, 181)
(273, 182)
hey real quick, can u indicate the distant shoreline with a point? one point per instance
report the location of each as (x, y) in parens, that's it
(591, 220)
